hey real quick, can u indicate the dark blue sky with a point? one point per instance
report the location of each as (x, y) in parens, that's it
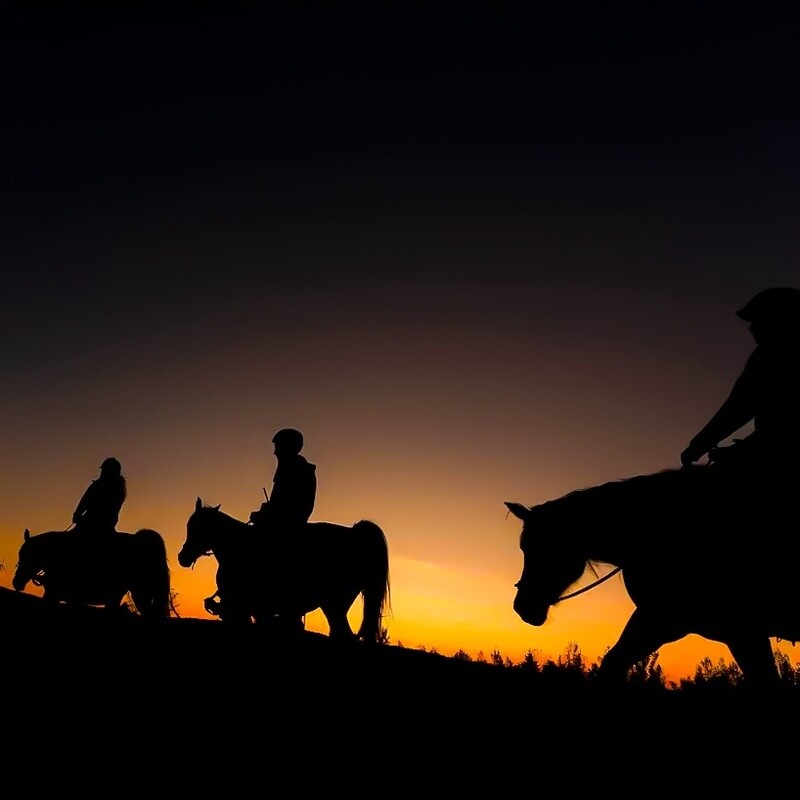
(171, 163)
(132, 120)
(130, 99)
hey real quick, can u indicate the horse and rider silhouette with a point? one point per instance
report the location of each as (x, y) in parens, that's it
(93, 563)
(703, 549)
(278, 566)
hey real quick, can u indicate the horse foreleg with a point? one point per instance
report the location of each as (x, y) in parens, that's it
(754, 657)
(642, 636)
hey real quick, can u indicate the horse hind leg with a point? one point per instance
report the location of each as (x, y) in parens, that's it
(338, 625)
(754, 657)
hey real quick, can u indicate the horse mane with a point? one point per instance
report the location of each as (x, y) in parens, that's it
(639, 490)
(651, 496)
(231, 522)
(217, 509)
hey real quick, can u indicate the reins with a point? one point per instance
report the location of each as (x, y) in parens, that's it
(590, 586)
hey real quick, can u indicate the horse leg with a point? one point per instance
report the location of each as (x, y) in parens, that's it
(642, 635)
(754, 657)
(338, 624)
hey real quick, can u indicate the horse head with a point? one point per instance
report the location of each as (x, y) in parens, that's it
(28, 566)
(198, 541)
(551, 563)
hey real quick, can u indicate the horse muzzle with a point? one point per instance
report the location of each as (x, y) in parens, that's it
(529, 613)
(19, 582)
(186, 558)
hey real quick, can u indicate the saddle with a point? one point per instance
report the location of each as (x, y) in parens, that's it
(754, 459)
(275, 538)
(740, 455)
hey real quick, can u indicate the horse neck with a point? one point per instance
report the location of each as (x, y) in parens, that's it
(616, 520)
(49, 547)
(606, 543)
(50, 541)
(597, 538)
(230, 532)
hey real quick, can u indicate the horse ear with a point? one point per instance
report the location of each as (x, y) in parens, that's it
(198, 505)
(216, 508)
(518, 510)
(26, 535)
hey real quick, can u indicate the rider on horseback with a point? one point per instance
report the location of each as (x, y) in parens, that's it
(294, 486)
(284, 515)
(97, 512)
(767, 393)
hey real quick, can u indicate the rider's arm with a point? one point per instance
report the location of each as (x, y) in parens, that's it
(737, 410)
(83, 504)
(310, 491)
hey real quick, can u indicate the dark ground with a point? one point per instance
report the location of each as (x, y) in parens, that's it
(209, 705)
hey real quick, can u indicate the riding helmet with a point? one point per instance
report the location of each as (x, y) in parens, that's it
(777, 303)
(111, 467)
(288, 439)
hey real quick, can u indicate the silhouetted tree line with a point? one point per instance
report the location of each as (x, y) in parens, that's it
(572, 668)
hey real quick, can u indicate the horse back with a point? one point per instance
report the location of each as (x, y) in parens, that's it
(332, 536)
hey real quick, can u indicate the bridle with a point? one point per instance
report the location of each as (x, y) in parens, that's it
(585, 588)
(200, 554)
(590, 586)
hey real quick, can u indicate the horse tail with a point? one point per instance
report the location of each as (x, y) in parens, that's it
(155, 601)
(376, 591)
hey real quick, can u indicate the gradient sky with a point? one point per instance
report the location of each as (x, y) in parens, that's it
(474, 256)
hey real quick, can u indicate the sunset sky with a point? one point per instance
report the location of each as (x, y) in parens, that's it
(474, 255)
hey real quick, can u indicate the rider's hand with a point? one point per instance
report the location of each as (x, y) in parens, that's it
(689, 456)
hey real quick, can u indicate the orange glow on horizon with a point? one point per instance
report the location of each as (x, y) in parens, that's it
(442, 608)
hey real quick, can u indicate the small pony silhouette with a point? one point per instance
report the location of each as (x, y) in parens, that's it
(76, 570)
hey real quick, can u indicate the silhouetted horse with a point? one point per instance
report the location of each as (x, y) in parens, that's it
(692, 563)
(259, 578)
(77, 569)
